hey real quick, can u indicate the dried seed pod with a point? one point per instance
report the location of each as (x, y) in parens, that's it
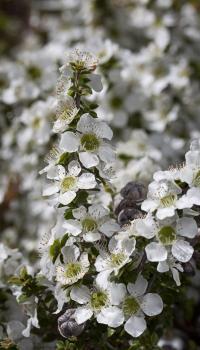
(189, 269)
(128, 214)
(124, 204)
(135, 191)
(67, 325)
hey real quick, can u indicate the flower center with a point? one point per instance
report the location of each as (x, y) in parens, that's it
(167, 235)
(196, 179)
(36, 123)
(68, 183)
(34, 72)
(117, 259)
(73, 269)
(67, 115)
(130, 306)
(89, 224)
(168, 200)
(98, 300)
(89, 142)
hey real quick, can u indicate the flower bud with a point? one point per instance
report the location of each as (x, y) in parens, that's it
(67, 325)
(125, 204)
(189, 269)
(135, 191)
(128, 214)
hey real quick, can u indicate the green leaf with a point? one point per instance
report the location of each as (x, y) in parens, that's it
(55, 250)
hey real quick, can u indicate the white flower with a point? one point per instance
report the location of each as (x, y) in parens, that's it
(162, 197)
(82, 60)
(112, 261)
(31, 310)
(136, 304)
(74, 267)
(37, 123)
(66, 112)
(68, 183)
(47, 267)
(91, 223)
(190, 174)
(170, 235)
(102, 302)
(173, 266)
(89, 141)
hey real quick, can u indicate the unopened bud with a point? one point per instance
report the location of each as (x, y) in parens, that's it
(135, 191)
(67, 325)
(127, 215)
(189, 269)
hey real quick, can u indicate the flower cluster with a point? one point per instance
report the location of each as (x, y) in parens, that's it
(85, 250)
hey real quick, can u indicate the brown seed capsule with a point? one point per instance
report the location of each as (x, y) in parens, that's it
(67, 325)
(189, 269)
(124, 204)
(127, 215)
(136, 191)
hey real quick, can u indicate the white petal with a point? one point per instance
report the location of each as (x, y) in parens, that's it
(100, 263)
(92, 236)
(176, 276)
(103, 130)
(86, 181)
(117, 292)
(88, 159)
(156, 252)
(95, 82)
(48, 191)
(82, 314)
(73, 227)
(97, 211)
(74, 168)
(85, 124)
(112, 316)
(187, 227)
(139, 287)
(162, 266)
(106, 153)
(135, 326)
(80, 212)
(70, 253)
(163, 213)
(69, 142)
(109, 227)
(149, 205)
(102, 278)
(152, 304)
(67, 197)
(146, 227)
(182, 250)
(80, 294)
(84, 260)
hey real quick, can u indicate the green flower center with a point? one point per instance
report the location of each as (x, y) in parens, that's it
(117, 259)
(89, 142)
(130, 306)
(36, 123)
(168, 200)
(34, 72)
(68, 183)
(73, 269)
(196, 179)
(167, 235)
(98, 300)
(89, 225)
(116, 102)
(67, 115)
